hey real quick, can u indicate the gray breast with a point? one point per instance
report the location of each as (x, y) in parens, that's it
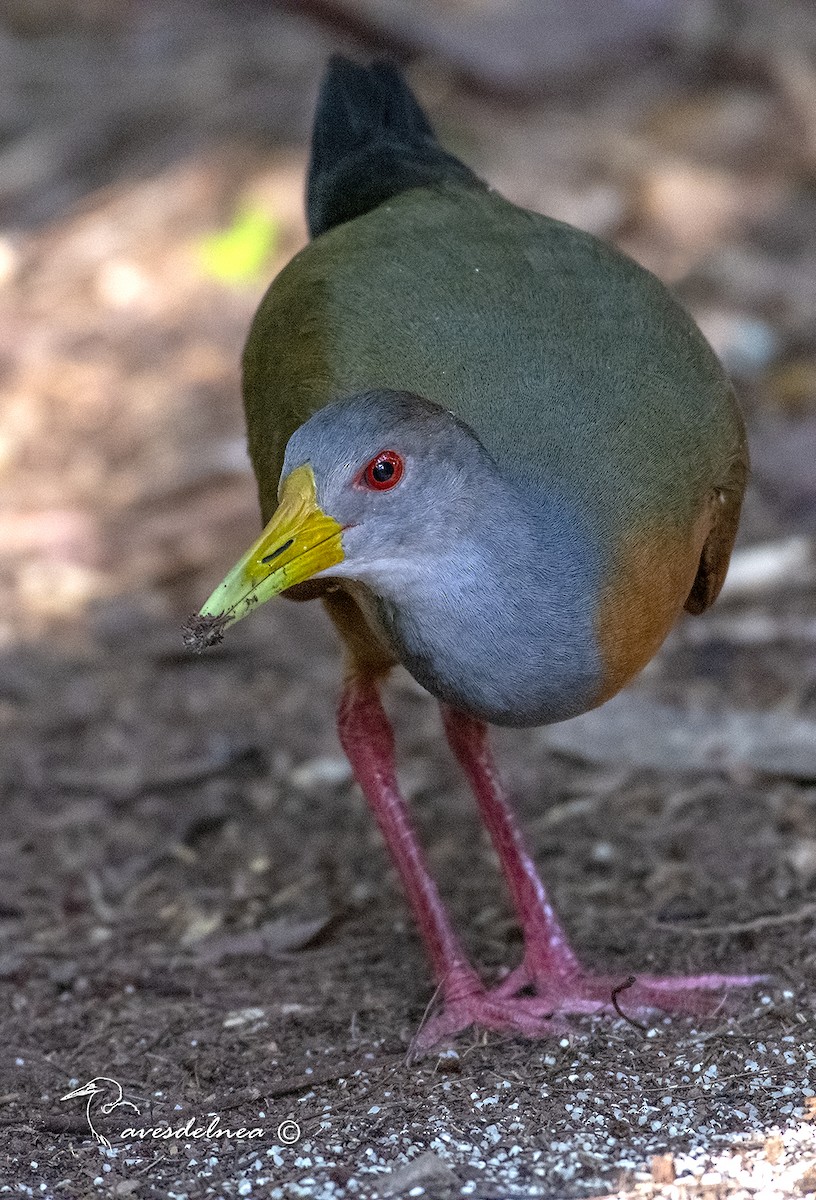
(506, 632)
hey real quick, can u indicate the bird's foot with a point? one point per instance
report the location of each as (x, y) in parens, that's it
(526, 1017)
(535, 1004)
(632, 997)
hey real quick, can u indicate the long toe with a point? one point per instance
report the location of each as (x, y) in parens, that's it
(628, 996)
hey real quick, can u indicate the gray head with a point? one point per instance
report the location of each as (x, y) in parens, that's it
(404, 478)
(381, 487)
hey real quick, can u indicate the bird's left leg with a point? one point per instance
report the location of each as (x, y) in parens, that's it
(550, 968)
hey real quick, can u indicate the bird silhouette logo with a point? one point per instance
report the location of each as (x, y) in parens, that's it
(100, 1086)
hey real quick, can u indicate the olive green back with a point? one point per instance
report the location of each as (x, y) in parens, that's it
(577, 369)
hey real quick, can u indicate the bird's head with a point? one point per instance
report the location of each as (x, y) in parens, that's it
(377, 487)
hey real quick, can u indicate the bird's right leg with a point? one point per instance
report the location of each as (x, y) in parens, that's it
(368, 740)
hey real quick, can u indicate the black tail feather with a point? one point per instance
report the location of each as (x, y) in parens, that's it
(371, 140)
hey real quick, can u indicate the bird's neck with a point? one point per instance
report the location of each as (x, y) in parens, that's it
(502, 626)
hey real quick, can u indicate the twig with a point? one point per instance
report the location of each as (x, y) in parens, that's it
(128, 784)
(304, 1083)
(413, 1050)
(616, 991)
(768, 921)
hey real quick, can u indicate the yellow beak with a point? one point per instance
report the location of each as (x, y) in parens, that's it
(298, 542)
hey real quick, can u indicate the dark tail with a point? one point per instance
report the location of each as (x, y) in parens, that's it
(371, 140)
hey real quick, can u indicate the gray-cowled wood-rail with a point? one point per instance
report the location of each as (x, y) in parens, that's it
(506, 458)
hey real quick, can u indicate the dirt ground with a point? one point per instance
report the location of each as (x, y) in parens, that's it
(194, 902)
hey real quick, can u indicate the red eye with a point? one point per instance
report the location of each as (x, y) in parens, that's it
(383, 472)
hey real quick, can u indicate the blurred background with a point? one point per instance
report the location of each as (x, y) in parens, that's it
(181, 841)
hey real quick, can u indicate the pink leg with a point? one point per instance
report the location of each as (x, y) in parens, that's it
(367, 739)
(546, 944)
(550, 967)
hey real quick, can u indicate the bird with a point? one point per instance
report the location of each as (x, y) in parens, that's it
(98, 1087)
(505, 458)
